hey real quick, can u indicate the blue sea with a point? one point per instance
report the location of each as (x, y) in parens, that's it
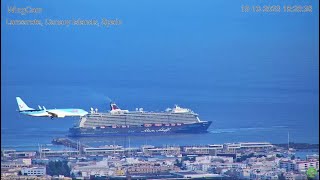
(255, 75)
(236, 117)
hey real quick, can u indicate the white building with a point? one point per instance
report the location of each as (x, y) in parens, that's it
(232, 147)
(303, 166)
(216, 146)
(100, 168)
(263, 175)
(208, 159)
(314, 156)
(270, 176)
(293, 176)
(243, 173)
(25, 162)
(211, 149)
(288, 165)
(18, 154)
(172, 150)
(34, 171)
(254, 145)
(247, 145)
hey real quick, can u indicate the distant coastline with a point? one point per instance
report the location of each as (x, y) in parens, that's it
(299, 146)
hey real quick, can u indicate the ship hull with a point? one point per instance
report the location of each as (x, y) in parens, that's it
(199, 127)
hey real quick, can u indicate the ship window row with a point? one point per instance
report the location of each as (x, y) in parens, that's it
(129, 118)
(141, 115)
(135, 122)
(144, 113)
(98, 125)
(144, 119)
(120, 123)
(163, 117)
(110, 124)
(141, 122)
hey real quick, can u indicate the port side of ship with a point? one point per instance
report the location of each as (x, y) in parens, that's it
(119, 122)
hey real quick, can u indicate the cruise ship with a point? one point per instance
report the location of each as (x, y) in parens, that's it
(138, 122)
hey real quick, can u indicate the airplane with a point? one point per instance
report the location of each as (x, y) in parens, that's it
(43, 112)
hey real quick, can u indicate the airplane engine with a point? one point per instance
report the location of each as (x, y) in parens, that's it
(61, 115)
(57, 115)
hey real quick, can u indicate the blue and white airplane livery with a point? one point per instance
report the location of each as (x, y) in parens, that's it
(43, 112)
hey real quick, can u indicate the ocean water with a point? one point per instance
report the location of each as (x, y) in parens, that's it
(254, 75)
(241, 118)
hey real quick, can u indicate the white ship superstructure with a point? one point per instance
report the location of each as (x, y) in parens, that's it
(124, 122)
(118, 117)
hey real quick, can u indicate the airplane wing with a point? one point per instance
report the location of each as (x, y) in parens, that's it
(56, 113)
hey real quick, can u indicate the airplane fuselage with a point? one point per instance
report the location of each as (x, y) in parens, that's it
(55, 112)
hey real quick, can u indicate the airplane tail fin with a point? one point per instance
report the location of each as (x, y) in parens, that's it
(22, 105)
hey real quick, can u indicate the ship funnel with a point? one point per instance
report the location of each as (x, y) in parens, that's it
(113, 106)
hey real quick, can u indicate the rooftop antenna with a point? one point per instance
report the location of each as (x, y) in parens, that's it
(39, 150)
(80, 149)
(40, 146)
(288, 140)
(129, 148)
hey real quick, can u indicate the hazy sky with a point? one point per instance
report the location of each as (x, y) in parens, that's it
(163, 39)
(184, 45)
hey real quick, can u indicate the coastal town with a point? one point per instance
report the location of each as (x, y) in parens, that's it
(242, 160)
